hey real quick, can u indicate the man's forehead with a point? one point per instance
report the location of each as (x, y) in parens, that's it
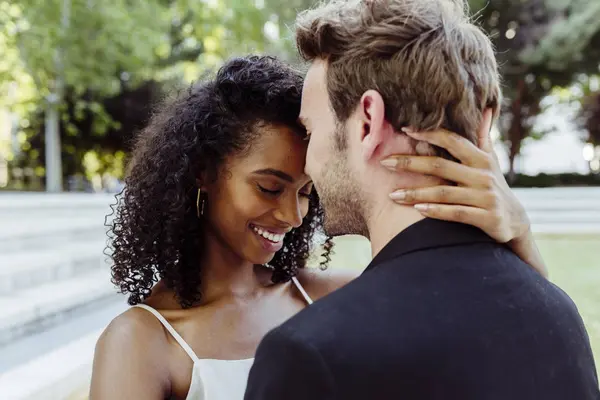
(312, 89)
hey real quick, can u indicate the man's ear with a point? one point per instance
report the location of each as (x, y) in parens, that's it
(374, 130)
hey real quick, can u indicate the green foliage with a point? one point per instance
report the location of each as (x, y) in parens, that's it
(283, 14)
(96, 132)
(540, 44)
(84, 44)
(91, 52)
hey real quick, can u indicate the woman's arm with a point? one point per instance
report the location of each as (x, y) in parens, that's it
(481, 196)
(526, 248)
(127, 362)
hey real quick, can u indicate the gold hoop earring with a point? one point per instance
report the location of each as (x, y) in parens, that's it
(200, 207)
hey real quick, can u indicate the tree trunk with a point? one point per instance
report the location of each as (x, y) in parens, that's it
(54, 181)
(53, 148)
(512, 175)
(516, 131)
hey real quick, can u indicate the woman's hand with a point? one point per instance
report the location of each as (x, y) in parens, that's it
(481, 196)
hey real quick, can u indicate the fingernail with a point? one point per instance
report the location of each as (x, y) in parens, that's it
(422, 207)
(398, 195)
(390, 163)
(413, 134)
(409, 131)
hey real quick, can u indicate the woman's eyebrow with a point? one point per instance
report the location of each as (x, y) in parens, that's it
(275, 172)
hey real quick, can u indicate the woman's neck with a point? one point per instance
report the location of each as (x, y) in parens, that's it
(226, 274)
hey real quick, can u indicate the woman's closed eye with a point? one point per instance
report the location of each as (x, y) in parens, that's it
(304, 192)
(269, 191)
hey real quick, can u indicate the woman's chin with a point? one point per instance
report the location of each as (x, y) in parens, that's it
(261, 259)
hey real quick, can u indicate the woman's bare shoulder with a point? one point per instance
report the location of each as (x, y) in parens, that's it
(128, 353)
(131, 327)
(319, 283)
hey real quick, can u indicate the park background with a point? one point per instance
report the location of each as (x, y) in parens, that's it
(78, 79)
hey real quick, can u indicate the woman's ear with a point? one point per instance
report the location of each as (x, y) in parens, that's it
(202, 181)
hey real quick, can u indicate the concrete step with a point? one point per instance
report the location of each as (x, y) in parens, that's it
(557, 204)
(24, 270)
(23, 234)
(558, 192)
(48, 201)
(58, 375)
(38, 308)
(40, 220)
(562, 210)
(80, 323)
(57, 362)
(574, 216)
(565, 229)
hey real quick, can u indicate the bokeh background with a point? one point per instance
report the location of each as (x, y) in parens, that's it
(78, 79)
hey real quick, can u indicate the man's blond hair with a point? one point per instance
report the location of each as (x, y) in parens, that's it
(432, 66)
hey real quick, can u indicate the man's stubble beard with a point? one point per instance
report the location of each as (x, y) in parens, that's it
(341, 196)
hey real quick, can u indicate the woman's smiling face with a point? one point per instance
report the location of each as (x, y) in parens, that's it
(260, 194)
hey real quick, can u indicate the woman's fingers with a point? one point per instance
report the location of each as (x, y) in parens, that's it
(441, 168)
(445, 195)
(461, 148)
(464, 214)
(489, 222)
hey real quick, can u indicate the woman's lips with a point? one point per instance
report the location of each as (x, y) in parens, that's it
(272, 240)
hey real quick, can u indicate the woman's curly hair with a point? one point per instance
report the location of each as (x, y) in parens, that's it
(155, 233)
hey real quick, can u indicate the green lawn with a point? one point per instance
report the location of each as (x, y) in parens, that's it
(574, 265)
(573, 262)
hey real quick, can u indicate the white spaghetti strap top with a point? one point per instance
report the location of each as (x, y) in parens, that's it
(214, 379)
(172, 331)
(309, 301)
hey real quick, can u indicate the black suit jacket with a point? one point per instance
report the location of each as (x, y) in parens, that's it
(442, 312)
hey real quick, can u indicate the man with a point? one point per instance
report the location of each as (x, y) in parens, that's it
(442, 311)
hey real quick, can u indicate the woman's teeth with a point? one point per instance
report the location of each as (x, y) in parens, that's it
(273, 237)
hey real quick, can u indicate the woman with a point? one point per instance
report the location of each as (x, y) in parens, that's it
(211, 234)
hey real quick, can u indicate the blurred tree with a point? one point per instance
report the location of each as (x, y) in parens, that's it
(282, 16)
(104, 127)
(69, 55)
(80, 44)
(589, 114)
(80, 52)
(540, 44)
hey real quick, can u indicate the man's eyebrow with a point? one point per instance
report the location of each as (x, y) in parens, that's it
(275, 172)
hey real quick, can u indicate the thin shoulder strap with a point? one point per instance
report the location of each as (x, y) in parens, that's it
(186, 347)
(302, 291)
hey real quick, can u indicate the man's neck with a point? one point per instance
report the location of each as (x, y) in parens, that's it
(387, 221)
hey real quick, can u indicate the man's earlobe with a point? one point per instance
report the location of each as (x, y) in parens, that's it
(369, 143)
